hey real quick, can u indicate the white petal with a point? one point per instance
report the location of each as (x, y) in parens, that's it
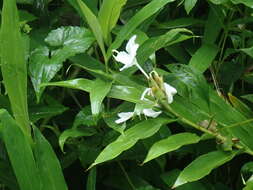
(123, 57)
(170, 92)
(131, 46)
(151, 113)
(124, 116)
(145, 92)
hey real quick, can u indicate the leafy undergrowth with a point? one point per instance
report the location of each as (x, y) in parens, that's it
(126, 94)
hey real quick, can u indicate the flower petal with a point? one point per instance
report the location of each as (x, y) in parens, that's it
(131, 46)
(124, 116)
(123, 57)
(151, 113)
(170, 92)
(145, 92)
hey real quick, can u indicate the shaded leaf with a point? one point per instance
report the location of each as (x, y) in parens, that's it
(91, 181)
(48, 164)
(75, 133)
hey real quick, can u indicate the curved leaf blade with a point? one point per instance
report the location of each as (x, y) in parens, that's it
(203, 165)
(171, 143)
(125, 141)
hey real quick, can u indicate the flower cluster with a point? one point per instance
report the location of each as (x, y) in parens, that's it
(128, 59)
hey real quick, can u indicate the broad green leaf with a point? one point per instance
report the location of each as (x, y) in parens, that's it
(91, 181)
(248, 51)
(247, 170)
(13, 64)
(49, 166)
(130, 137)
(180, 22)
(98, 92)
(84, 118)
(20, 153)
(75, 133)
(189, 4)
(151, 45)
(146, 12)
(203, 58)
(94, 25)
(169, 144)
(108, 16)
(219, 1)
(44, 64)
(202, 166)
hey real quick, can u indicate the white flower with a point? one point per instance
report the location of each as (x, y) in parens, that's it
(127, 57)
(170, 91)
(151, 113)
(124, 116)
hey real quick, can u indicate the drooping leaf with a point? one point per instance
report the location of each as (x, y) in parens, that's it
(248, 3)
(20, 153)
(13, 64)
(125, 141)
(75, 133)
(189, 4)
(169, 144)
(108, 16)
(48, 164)
(202, 166)
(44, 64)
(98, 92)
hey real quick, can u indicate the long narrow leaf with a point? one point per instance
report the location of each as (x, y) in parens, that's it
(20, 154)
(13, 64)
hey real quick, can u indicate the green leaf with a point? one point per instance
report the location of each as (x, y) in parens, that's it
(248, 51)
(202, 166)
(94, 25)
(126, 93)
(146, 12)
(203, 57)
(48, 163)
(98, 92)
(25, 1)
(75, 133)
(25, 16)
(108, 16)
(248, 3)
(20, 153)
(125, 141)
(151, 45)
(189, 4)
(44, 64)
(13, 64)
(91, 181)
(169, 144)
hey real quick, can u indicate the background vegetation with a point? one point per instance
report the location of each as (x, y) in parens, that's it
(62, 91)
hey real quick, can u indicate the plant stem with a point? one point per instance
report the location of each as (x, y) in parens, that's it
(126, 175)
(200, 128)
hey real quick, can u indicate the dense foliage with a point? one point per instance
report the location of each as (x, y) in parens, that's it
(126, 94)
